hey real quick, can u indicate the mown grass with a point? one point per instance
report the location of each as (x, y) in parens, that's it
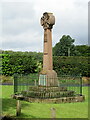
(42, 110)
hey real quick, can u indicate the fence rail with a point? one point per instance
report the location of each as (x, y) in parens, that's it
(24, 82)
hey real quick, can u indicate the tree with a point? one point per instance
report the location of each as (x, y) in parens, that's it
(65, 47)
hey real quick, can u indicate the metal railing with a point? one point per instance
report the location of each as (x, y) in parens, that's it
(23, 83)
(71, 82)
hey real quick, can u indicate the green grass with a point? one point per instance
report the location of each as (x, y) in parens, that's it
(42, 110)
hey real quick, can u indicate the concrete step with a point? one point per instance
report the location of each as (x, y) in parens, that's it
(43, 88)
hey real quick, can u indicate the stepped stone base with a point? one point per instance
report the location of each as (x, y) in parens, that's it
(47, 89)
(77, 98)
(42, 94)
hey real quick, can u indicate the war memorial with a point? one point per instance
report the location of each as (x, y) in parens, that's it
(49, 88)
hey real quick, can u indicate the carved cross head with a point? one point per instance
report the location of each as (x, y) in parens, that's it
(47, 20)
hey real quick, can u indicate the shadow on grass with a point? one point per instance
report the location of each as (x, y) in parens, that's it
(26, 116)
(10, 104)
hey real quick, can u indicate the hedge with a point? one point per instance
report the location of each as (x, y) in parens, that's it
(72, 65)
(25, 64)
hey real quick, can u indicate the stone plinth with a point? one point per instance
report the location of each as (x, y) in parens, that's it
(49, 77)
(49, 95)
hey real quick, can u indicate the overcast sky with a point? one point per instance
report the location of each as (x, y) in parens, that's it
(21, 29)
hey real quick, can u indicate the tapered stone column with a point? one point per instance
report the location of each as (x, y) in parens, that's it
(48, 77)
(47, 55)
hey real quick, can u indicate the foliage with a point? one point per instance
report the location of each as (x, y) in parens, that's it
(83, 50)
(31, 62)
(18, 63)
(0, 64)
(35, 55)
(65, 47)
(72, 65)
(6, 66)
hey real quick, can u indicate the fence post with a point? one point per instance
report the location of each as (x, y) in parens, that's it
(53, 113)
(58, 83)
(18, 108)
(15, 83)
(35, 83)
(80, 85)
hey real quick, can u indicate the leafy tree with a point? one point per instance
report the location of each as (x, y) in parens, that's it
(65, 47)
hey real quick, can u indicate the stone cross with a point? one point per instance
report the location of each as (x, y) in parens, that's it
(48, 77)
(47, 21)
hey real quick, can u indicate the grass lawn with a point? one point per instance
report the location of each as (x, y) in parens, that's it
(42, 110)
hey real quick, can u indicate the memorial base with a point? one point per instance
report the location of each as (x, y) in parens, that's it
(48, 78)
(42, 94)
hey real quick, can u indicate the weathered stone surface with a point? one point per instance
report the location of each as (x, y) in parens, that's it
(53, 113)
(47, 21)
(54, 100)
(18, 108)
(43, 88)
(47, 92)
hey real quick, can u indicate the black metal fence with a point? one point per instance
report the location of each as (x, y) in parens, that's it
(73, 83)
(23, 82)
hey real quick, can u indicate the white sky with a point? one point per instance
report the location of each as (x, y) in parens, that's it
(20, 21)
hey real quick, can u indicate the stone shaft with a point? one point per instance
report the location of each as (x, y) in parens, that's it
(47, 54)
